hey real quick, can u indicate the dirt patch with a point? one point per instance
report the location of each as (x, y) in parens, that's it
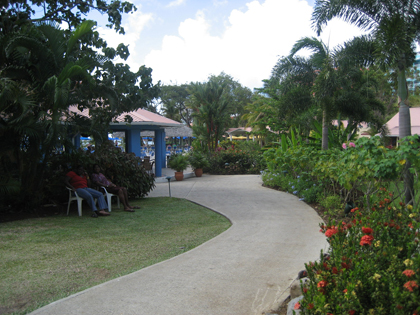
(20, 303)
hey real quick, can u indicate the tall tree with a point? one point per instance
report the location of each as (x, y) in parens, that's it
(290, 88)
(238, 95)
(174, 100)
(351, 56)
(395, 27)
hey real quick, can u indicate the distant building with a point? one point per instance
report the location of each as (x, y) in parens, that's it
(393, 125)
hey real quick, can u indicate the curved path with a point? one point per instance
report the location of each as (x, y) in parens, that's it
(245, 270)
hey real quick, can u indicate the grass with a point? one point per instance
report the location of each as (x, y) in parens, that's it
(45, 259)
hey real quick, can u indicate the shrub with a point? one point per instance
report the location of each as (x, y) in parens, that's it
(372, 266)
(234, 161)
(332, 204)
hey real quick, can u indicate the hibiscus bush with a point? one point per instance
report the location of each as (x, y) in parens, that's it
(372, 266)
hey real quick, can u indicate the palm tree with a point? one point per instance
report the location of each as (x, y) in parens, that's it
(395, 27)
(210, 108)
(332, 67)
(290, 92)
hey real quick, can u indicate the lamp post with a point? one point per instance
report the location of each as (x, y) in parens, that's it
(169, 183)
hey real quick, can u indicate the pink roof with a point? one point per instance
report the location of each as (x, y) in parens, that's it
(140, 117)
(393, 123)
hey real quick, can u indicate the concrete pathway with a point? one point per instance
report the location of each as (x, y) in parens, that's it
(245, 270)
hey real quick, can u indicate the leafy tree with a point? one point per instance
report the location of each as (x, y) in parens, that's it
(17, 13)
(260, 113)
(43, 70)
(395, 27)
(37, 75)
(174, 100)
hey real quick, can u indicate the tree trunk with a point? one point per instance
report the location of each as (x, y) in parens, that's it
(324, 130)
(404, 131)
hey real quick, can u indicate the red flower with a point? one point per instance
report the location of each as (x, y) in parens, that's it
(366, 240)
(352, 312)
(410, 285)
(331, 232)
(297, 306)
(310, 306)
(367, 230)
(408, 272)
(345, 290)
(345, 265)
(354, 209)
(322, 284)
(335, 270)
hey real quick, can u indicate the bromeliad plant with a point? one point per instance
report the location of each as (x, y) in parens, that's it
(373, 264)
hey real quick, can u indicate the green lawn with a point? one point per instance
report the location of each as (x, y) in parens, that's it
(46, 259)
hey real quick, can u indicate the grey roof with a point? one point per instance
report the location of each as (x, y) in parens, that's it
(183, 131)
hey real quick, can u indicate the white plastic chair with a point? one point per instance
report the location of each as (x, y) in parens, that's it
(109, 197)
(74, 196)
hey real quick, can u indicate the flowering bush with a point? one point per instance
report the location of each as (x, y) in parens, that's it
(373, 264)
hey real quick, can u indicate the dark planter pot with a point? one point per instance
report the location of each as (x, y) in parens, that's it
(198, 172)
(179, 175)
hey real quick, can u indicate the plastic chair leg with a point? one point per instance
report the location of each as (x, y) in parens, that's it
(79, 206)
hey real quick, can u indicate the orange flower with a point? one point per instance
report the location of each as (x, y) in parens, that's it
(322, 284)
(408, 272)
(410, 285)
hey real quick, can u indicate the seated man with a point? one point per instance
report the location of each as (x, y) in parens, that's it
(99, 179)
(78, 180)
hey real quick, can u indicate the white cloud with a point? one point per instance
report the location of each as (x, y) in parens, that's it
(219, 3)
(176, 3)
(247, 50)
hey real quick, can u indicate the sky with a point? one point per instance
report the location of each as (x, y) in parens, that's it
(186, 41)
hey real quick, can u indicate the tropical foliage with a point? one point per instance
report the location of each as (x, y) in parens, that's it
(394, 25)
(43, 70)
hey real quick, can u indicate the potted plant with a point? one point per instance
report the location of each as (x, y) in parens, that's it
(198, 161)
(179, 163)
